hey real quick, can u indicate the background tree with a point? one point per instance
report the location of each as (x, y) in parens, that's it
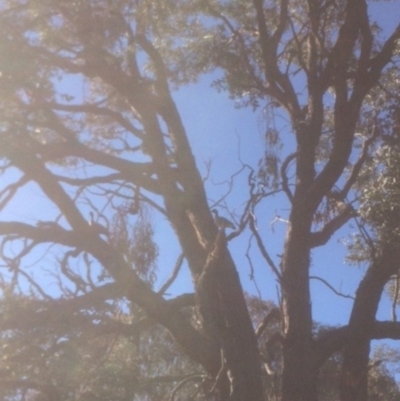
(98, 155)
(91, 350)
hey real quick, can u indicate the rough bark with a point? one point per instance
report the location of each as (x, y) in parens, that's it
(347, 67)
(299, 372)
(177, 183)
(226, 321)
(298, 380)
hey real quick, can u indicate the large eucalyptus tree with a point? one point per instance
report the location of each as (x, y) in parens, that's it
(120, 143)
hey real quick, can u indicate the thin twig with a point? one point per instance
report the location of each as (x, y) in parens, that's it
(221, 371)
(262, 248)
(285, 182)
(252, 278)
(182, 383)
(395, 297)
(173, 276)
(331, 287)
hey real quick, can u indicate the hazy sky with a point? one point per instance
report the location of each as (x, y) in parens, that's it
(225, 138)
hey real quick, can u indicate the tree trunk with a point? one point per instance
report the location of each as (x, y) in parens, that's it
(225, 319)
(354, 377)
(298, 381)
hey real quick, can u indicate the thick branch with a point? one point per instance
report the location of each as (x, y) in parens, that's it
(285, 182)
(340, 55)
(322, 237)
(173, 275)
(93, 109)
(358, 165)
(279, 85)
(52, 232)
(333, 340)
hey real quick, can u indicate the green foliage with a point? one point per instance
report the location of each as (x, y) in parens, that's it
(380, 199)
(95, 353)
(137, 243)
(120, 136)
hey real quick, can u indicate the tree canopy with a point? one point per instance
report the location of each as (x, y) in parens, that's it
(89, 120)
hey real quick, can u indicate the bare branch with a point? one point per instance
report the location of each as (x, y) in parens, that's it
(333, 340)
(331, 287)
(8, 192)
(395, 297)
(285, 183)
(174, 274)
(261, 246)
(92, 109)
(50, 233)
(252, 278)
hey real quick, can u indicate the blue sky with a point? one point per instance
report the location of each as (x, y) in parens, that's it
(221, 134)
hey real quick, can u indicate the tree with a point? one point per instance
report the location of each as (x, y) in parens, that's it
(122, 144)
(61, 350)
(380, 245)
(108, 354)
